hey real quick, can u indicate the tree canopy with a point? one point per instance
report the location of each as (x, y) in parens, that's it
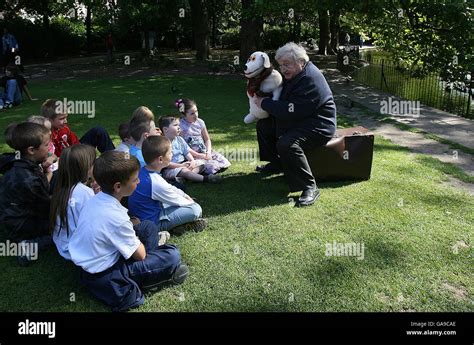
(431, 35)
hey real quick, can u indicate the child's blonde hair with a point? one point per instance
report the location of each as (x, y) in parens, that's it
(40, 120)
(50, 109)
(143, 113)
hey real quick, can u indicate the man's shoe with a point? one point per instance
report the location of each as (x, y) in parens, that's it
(180, 274)
(196, 226)
(270, 168)
(308, 197)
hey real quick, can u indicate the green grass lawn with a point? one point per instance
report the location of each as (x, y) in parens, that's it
(259, 253)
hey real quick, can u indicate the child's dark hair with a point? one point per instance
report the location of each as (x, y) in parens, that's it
(28, 134)
(8, 133)
(154, 147)
(50, 109)
(123, 130)
(76, 160)
(184, 104)
(166, 121)
(138, 126)
(112, 167)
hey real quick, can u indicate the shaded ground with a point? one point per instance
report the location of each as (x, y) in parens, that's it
(259, 253)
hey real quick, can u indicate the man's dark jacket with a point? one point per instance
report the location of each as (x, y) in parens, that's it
(306, 101)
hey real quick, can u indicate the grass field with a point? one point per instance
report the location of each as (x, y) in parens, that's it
(259, 253)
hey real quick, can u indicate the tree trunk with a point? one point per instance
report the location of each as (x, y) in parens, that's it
(200, 20)
(88, 29)
(213, 25)
(324, 34)
(251, 29)
(48, 42)
(297, 29)
(334, 27)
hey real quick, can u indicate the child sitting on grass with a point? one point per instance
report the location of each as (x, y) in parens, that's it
(62, 136)
(124, 135)
(14, 85)
(143, 113)
(24, 191)
(70, 194)
(182, 213)
(118, 259)
(7, 157)
(140, 129)
(194, 132)
(52, 162)
(182, 162)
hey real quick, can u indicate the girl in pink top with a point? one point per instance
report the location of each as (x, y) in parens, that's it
(194, 132)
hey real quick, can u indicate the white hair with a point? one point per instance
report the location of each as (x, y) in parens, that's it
(297, 52)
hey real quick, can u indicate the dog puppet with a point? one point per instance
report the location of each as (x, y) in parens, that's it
(263, 81)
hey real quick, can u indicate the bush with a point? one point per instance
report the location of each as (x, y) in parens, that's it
(230, 38)
(274, 37)
(68, 36)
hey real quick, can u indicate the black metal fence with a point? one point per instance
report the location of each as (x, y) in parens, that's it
(380, 73)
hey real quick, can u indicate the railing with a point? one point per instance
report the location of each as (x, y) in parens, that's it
(431, 90)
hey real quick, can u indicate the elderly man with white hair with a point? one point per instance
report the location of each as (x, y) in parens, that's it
(303, 118)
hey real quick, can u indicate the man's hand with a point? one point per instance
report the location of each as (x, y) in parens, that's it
(164, 237)
(258, 100)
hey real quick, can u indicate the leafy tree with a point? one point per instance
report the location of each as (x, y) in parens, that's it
(426, 36)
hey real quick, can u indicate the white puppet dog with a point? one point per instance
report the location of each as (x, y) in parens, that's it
(263, 81)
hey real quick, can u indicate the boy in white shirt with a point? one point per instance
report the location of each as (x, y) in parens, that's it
(181, 212)
(118, 259)
(124, 135)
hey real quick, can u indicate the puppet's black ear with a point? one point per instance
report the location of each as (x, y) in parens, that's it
(266, 60)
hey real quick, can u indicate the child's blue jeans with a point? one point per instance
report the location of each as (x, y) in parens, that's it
(120, 285)
(12, 93)
(159, 263)
(174, 216)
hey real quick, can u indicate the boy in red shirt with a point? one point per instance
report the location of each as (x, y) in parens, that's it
(62, 136)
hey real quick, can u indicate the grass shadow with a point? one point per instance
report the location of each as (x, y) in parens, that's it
(243, 191)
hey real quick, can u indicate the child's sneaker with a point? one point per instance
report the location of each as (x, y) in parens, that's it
(180, 274)
(8, 105)
(178, 277)
(196, 226)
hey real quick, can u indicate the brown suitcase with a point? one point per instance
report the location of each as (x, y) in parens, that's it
(348, 156)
